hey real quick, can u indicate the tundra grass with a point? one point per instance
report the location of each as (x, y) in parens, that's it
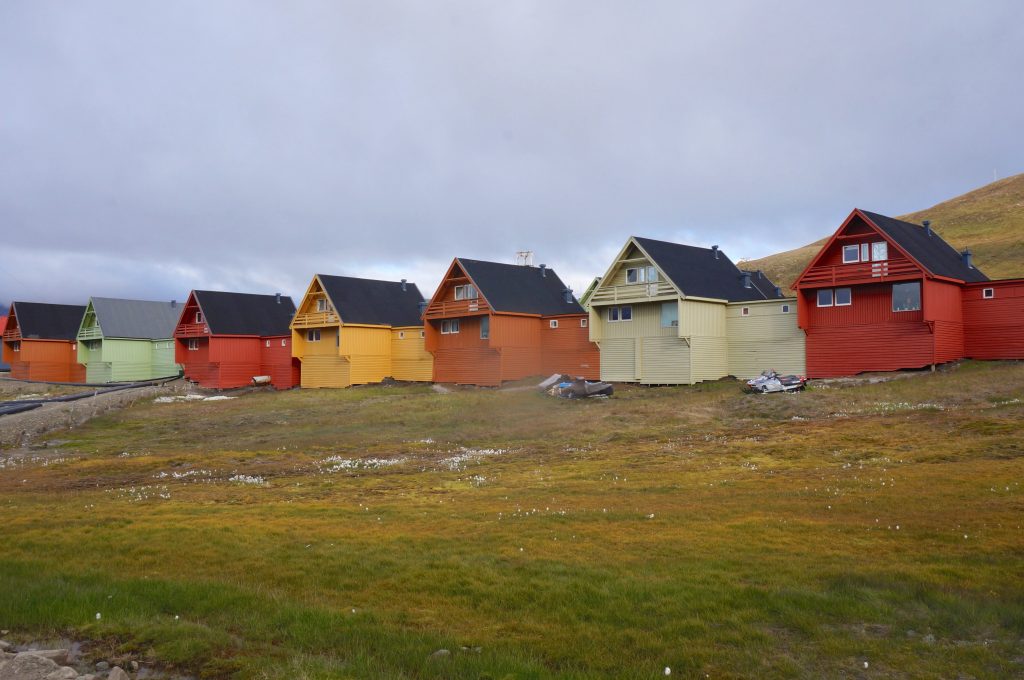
(850, 531)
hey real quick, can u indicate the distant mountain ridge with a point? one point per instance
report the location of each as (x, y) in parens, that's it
(988, 220)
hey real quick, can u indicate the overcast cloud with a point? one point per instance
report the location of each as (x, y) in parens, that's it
(147, 148)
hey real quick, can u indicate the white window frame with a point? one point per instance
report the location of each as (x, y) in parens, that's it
(268, 343)
(193, 344)
(584, 323)
(422, 334)
(16, 346)
(744, 311)
(831, 297)
(313, 335)
(785, 309)
(835, 297)
(552, 323)
(865, 252)
(284, 342)
(652, 274)
(988, 293)
(635, 272)
(199, 317)
(485, 327)
(321, 304)
(450, 327)
(466, 291)
(613, 315)
(401, 335)
(626, 309)
(884, 248)
(856, 254)
(673, 323)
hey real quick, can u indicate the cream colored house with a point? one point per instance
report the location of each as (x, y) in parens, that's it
(666, 313)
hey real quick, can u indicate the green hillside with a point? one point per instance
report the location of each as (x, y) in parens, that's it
(989, 221)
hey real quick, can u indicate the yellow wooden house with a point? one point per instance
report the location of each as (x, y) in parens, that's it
(351, 331)
(667, 313)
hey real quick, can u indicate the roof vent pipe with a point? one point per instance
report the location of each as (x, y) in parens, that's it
(746, 279)
(403, 285)
(927, 227)
(567, 294)
(778, 291)
(174, 304)
(760, 274)
(966, 257)
(278, 296)
(543, 270)
(714, 250)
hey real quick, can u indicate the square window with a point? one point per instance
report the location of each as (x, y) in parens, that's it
(906, 297)
(633, 275)
(553, 323)
(745, 311)
(321, 304)
(851, 254)
(879, 251)
(626, 313)
(584, 323)
(825, 297)
(193, 344)
(844, 297)
(613, 313)
(988, 293)
(785, 309)
(313, 335)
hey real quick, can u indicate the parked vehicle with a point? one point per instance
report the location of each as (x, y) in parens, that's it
(770, 381)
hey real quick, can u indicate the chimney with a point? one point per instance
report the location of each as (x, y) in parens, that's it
(760, 274)
(778, 291)
(714, 249)
(746, 279)
(403, 285)
(927, 227)
(966, 257)
(543, 270)
(423, 307)
(278, 296)
(567, 294)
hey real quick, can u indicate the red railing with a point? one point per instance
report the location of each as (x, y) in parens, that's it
(865, 272)
(191, 330)
(451, 308)
(12, 335)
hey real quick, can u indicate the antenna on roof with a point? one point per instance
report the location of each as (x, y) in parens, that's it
(524, 258)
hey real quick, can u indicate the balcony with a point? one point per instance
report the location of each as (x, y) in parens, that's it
(90, 333)
(191, 330)
(633, 292)
(446, 309)
(315, 320)
(12, 335)
(865, 272)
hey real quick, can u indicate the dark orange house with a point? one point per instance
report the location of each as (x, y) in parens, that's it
(490, 322)
(40, 342)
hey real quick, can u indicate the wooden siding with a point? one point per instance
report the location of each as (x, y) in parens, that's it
(117, 360)
(848, 350)
(223, 362)
(765, 338)
(409, 358)
(325, 371)
(994, 328)
(568, 349)
(45, 360)
(664, 361)
(618, 359)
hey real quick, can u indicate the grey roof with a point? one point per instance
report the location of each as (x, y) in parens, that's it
(377, 303)
(937, 256)
(520, 289)
(140, 319)
(697, 272)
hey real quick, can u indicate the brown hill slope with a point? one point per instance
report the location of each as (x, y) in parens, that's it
(989, 221)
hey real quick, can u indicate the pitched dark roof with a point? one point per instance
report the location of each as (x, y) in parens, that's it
(765, 286)
(136, 318)
(520, 289)
(697, 272)
(932, 252)
(381, 303)
(246, 313)
(48, 322)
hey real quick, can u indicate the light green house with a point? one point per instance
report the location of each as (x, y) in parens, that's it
(666, 313)
(127, 340)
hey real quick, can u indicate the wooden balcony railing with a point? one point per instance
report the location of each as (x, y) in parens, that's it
(632, 292)
(453, 308)
(314, 319)
(865, 272)
(12, 335)
(191, 330)
(90, 333)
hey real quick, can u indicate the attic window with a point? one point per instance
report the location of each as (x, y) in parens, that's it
(466, 292)
(321, 304)
(851, 254)
(879, 251)
(583, 323)
(199, 317)
(641, 274)
(313, 335)
(553, 323)
(988, 293)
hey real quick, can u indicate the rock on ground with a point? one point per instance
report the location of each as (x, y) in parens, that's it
(29, 666)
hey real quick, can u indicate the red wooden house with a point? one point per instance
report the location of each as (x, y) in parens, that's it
(883, 294)
(224, 340)
(490, 322)
(39, 342)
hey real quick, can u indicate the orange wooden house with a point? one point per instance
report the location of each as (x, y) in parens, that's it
(39, 342)
(490, 322)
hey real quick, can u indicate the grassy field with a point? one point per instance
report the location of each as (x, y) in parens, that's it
(988, 220)
(851, 531)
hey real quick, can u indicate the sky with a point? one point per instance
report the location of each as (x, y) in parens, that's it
(149, 148)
